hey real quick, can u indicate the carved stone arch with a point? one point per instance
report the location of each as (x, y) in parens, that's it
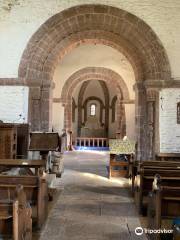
(90, 23)
(80, 101)
(108, 76)
(52, 41)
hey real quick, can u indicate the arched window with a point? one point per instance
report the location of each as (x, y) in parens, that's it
(93, 109)
(178, 113)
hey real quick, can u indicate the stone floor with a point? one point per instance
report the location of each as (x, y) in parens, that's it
(90, 206)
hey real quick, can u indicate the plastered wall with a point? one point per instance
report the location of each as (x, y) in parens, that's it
(13, 104)
(19, 23)
(169, 129)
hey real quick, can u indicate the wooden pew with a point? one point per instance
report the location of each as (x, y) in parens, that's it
(24, 163)
(163, 202)
(168, 157)
(15, 216)
(36, 191)
(144, 179)
(135, 167)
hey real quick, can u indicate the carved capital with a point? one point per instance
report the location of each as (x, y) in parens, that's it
(151, 95)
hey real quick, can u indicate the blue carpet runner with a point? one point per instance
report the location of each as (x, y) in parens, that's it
(92, 148)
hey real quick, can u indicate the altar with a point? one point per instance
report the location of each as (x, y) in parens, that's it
(93, 128)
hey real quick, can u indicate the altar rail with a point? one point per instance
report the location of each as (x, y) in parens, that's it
(91, 142)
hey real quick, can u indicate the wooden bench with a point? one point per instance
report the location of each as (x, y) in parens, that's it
(24, 163)
(144, 179)
(36, 191)
(168, 157)
(135, 167)
(163, 202)
(15, 216)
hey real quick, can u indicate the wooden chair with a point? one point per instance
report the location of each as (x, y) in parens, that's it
(15, 216)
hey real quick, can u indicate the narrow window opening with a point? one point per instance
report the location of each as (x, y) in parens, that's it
(93, 110)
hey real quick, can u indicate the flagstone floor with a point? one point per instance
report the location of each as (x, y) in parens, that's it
(89, 205)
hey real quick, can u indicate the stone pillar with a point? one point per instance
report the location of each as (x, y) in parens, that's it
(79, 120)
(140, 120)
(34, 116)
(46, 109)
(68, 115)
(151, 116)
(40, 108)
(119, 117)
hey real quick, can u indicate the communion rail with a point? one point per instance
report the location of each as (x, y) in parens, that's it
(91, 142)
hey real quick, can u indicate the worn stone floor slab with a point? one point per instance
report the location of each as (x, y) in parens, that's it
(90, 206)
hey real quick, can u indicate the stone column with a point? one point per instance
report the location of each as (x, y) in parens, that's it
(40, 108)
(68, 115)
(46, 109)
(119, 117)
(34, 116)
(140, 120)
(151, 115)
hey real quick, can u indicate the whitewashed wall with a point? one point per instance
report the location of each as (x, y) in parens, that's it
(25, 17)
(169, 129)
(14, 104)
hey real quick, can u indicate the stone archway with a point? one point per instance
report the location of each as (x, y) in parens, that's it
(80, 104)
(91, 23)
(93, 73)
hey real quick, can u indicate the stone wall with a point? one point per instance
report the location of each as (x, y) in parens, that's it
(169, 129)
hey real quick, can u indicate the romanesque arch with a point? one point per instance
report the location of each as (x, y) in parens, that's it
(80, 103)
(91, 23)
(94, 23)
(92, 73)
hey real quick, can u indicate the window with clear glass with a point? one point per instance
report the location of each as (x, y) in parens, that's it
(93, 110)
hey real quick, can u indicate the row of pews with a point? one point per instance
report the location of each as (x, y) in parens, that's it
(24, 183)
(155, 186)
(29, 193)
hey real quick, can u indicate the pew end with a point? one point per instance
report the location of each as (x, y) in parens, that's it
(15, 216)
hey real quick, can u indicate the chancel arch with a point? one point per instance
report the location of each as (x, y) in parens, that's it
(94, 24)
(100, 74)
(105, 105)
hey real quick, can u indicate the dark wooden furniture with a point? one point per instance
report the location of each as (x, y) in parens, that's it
(168, 157)
(35, 188)
(8, 140)
(144, 179)
(22, 140)
(164, 202)
(23, 163)
(15, 216)
(44, 142)
(119, 167)
(135, 166)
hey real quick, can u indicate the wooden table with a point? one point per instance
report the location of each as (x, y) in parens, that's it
(23, 163)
